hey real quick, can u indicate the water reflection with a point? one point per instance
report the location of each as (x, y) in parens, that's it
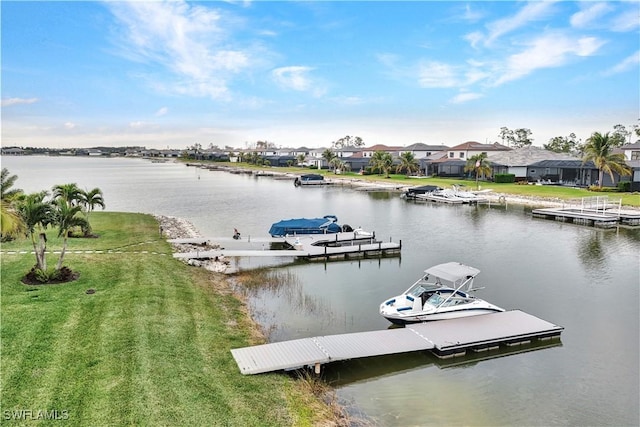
(362, 370)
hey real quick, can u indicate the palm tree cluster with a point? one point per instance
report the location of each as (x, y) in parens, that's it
(67, 209)
(382, 162)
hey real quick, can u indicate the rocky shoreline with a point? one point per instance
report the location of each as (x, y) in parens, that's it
(179, 228)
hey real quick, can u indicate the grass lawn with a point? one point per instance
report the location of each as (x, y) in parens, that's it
(150, 347)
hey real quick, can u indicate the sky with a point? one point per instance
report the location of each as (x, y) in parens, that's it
(305, 74)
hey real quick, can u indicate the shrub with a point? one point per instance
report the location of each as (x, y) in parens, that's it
(504, 177)
(624, 186)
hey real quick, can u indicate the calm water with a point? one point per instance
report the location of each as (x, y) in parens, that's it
(584, 279)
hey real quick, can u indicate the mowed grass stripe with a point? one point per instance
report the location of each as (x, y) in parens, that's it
(151, 346)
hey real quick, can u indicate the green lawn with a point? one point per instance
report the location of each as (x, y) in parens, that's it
(150, 347)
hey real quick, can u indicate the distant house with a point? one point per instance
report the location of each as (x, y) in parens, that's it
(632, 155)
(452, 164)
(369, 151)
(525, 164)
(12, 151)
(422, 151)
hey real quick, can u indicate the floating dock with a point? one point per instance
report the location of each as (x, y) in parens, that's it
(308, 246)
(445, 338)
(594, 211)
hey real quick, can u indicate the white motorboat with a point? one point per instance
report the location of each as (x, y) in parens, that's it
(443, 292)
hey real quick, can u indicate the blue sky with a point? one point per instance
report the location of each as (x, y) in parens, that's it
(171, 74)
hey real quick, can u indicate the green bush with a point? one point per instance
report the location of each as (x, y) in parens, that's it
(504, 177)
(624, 186)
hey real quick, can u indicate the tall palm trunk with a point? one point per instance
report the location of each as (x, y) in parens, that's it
(63, 252)
(39, 248)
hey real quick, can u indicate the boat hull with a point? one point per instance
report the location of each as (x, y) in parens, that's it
(420, 318)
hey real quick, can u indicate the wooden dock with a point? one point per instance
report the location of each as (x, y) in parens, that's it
(308, 246)
(445, 338)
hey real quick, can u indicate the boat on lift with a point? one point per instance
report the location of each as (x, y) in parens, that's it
(326, 224)
(443, 292)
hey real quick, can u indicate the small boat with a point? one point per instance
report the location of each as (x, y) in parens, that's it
(443, 292)
(324, 225)
(309, 179)
(442, 196)
(412, 193)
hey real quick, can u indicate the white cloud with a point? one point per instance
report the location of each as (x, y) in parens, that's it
(531, 12)
(192, 42)
(437, 74)
(548, 51)
(625, 65)
(471, 15)
(593, 13)
(69, 125)
(626, 21)
(474, 38)
(297, 78)
(162, 111)
(465, 97)
(7, 102)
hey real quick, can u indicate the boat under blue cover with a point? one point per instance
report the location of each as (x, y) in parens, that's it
(326, 224)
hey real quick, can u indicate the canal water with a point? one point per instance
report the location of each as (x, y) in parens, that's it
(584, 279)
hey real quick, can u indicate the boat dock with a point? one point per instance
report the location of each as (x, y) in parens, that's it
(308, 246)
(444, 338)
(596, 211)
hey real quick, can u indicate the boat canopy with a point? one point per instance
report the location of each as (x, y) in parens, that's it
(326, 224)
(423, 189)
(312, 177)
(452, 271)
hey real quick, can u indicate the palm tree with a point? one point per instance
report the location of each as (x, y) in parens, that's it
(89, 200)
(599, 150)
(382, 162)
(6, 182)
(11, 223)
(67, 217)
(37, 214)
(337, 163)
(301, 159)
(328, 155)
(479, 165)
(70, 193)
(408, 163)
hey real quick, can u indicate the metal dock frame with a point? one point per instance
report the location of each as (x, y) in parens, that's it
(444, 338)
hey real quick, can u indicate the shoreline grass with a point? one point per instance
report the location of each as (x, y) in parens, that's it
(151, 346)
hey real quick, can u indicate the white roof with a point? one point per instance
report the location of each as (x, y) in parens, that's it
(452, 271)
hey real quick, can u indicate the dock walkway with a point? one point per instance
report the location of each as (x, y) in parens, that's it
(309, 246)
(596, 211)
(445, 338)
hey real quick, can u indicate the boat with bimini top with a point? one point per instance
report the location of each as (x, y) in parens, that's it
(324, 225)
(443, 292)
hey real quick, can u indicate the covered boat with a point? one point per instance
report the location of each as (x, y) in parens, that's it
(443, 292)
(326, 224)
(413, 193)
(309, 179)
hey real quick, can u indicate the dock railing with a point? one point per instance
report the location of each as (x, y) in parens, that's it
(599, 205)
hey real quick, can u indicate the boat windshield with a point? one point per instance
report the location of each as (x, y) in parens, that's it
(437, 300)
(421, 287)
